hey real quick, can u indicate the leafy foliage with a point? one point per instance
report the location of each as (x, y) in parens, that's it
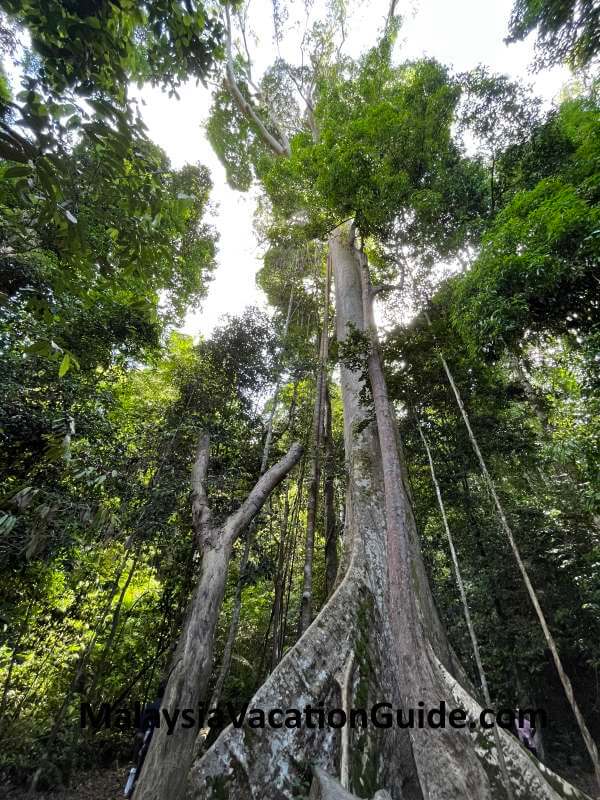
(537, 263)
(98, 46)
(567, 30)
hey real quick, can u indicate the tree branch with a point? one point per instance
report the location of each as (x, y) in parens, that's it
(390, 15)
(200, 508)
(244, 107)
(236, 523)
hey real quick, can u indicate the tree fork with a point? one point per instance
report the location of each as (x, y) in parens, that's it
(271, 764)
(169, 757)
(237, 602)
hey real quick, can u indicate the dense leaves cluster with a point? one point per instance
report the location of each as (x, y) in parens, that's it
(537, 269)
(567, 30)
(99, 45)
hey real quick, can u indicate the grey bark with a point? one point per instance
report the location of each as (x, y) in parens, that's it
(169, 757)
(324, 787)
(357, 624)
(331, 554)
(237, 601)
(280, 147)
(313, 486)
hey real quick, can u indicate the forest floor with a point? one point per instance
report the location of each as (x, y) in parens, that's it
(100, 784)
(107, 784)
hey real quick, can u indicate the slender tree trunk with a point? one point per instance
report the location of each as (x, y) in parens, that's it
(311, 509)
(331, 554)
(170, 756)
(288, 577)
(351, 652)
(279, 582)
(106, 650)
(237, 601)
(467, 613)
(269, 436)
(315, 472)
(79, 671)
(564, 678)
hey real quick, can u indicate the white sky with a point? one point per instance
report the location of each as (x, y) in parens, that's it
(459, 33)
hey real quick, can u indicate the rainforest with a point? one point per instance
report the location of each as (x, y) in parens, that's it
(299, 399)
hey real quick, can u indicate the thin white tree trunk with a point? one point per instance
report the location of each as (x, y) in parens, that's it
(237, 601)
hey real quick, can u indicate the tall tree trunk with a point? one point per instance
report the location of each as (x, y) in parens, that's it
(237, 600)
(288, 576)
(331, 554)
(170, 756)
(350, 654)
(100, 671)
(306, 601)
(279, 582)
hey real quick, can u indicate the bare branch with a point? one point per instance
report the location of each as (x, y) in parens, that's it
(244, 107)
(242, 24)
(390, 14)
(200, 509)
(237, 522)
(308, 102)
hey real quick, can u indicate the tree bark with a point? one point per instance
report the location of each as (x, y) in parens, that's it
(377, 597)
(279, 148)
(331, 554)
(237, 602)
(169, 757)
(313, 487)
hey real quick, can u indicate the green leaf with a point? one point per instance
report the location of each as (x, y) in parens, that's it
(64, 365)
(17, 172)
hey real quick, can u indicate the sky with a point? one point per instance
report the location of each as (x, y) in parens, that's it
(460, 34)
